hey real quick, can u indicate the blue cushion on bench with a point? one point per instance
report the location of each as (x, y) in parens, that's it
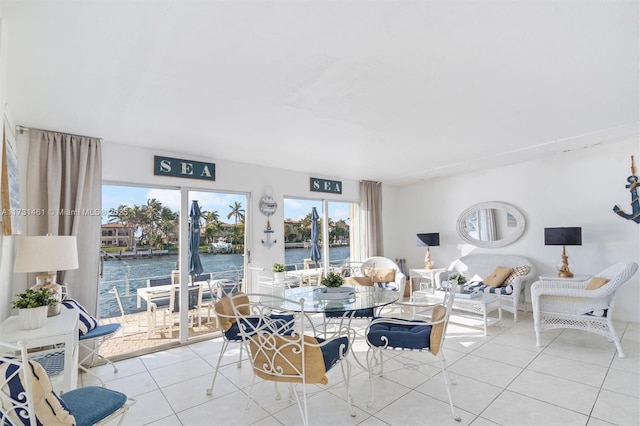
(480, 287)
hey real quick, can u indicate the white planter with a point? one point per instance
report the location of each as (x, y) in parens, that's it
(278, 276)
(33, 317)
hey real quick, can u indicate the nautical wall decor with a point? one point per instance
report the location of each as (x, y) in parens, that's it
(268, 207)
(324, 185)
(167, 166)
(268, 243)
(635, 203)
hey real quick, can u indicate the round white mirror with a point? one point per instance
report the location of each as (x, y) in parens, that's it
(491, 224)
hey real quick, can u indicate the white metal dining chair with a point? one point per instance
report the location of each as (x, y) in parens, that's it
(27, 397)
(280, 351)
(391, 336)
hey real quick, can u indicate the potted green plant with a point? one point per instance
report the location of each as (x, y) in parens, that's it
(33, 306)
(278, 271)
(333, 280)
(458, 278)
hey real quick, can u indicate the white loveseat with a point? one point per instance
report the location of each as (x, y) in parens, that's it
(476, 267)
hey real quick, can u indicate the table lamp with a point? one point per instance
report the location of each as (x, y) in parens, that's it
(47, 254)
(563, 237)
(428, 240)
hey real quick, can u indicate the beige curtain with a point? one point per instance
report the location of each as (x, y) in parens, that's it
(371, 201)
(64, 177)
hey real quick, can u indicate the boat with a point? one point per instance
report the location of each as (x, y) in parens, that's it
(222, 246)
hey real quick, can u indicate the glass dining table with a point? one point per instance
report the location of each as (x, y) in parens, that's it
(317, 299)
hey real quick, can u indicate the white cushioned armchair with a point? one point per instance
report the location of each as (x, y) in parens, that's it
(582, 305)
(479, 266)
(379, 264)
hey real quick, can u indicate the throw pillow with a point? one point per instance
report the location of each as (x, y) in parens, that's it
(49, 408)
(518, 271)
(354, 281)
(224, 309)
(279, 358)
(384, 275)
(497, 277)
(86, 322)
(596, 282)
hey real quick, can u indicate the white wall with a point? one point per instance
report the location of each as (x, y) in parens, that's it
(576, 188)
(130, 165)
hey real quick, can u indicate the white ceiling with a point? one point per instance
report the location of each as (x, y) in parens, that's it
(396, 91)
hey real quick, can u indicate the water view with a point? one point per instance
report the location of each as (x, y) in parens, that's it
(128, 275)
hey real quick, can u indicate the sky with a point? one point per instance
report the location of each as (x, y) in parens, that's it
(114, 196)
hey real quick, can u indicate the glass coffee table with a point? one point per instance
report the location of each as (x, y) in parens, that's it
(470, 311)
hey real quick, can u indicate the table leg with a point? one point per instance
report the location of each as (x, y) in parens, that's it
(148, 320)
(484, 318)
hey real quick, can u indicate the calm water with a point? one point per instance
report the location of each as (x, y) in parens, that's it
(130, 274)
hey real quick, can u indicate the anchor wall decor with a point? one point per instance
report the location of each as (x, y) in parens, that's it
(268, 243)
(635, 203)
(268, 206)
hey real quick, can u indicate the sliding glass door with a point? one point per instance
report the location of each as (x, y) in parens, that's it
(140, 250)
(334, 225)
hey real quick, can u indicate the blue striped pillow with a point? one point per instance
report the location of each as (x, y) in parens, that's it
(86, 322)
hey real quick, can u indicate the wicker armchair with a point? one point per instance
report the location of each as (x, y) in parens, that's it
(569, 304)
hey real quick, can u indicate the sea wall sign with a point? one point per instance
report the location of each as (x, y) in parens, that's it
(635, 203)
(324, 185)
(167, 166)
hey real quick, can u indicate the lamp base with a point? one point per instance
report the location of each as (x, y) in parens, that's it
(57, 292)
(564, 271)
(427, 260)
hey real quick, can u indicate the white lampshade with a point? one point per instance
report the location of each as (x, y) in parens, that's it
(46, 253)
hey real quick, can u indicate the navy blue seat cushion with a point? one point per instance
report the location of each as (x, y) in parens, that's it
(332, 351)
(400, 335)
(284, 325)
(101, 330)
(357, 313)
(91, 404)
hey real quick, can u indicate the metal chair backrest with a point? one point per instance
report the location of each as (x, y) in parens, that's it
(152, 282)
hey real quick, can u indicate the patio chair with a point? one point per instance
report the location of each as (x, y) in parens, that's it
(393, 336)
(92, 336)
(116, 293)
(195, 302)
(280, 351)
(27, 397)
(582, 305)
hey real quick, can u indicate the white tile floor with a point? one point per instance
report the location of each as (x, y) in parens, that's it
(502, 379)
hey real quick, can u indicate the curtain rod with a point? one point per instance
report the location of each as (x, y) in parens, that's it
(23, 129)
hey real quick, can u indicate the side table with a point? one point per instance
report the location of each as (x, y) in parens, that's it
(429, 274)
(550, 277)
(61, 329)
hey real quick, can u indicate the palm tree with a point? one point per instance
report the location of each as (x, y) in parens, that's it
(238, 213)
